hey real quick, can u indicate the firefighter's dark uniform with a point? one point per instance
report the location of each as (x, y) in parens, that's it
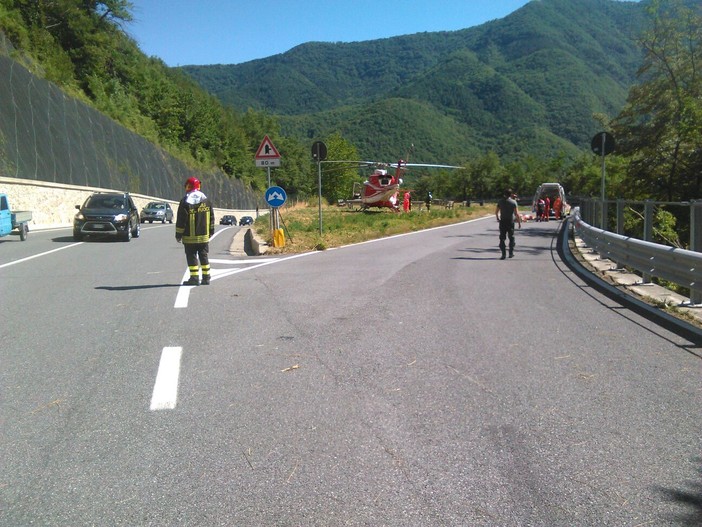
(194, 227)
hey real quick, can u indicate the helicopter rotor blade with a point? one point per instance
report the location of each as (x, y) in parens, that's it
(392, 165)
(427, 165)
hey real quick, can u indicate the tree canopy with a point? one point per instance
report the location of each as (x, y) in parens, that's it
(660, 129)
(511, 101)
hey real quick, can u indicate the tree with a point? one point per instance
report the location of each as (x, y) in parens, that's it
(338, 179)
(114, 10)
(659, 129)
(484, 176)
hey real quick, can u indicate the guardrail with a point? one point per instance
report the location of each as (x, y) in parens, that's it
(679, 266)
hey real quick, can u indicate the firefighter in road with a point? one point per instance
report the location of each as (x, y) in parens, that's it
(194, 228)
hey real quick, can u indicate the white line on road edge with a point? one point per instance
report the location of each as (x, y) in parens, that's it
(183, 292)
(244, 261)
(165, 393)
(183, 296)
(40, 254)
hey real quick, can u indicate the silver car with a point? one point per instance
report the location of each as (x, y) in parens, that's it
(157, 211)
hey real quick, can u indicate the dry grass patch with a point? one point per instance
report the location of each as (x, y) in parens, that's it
(343, 226)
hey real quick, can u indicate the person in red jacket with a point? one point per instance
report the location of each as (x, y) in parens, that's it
(194, 228)
(407, 202)
(547, 209)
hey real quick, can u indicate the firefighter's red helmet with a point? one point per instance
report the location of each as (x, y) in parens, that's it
(192, 184)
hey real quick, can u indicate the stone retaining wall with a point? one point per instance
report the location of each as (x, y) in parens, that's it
(54, 204)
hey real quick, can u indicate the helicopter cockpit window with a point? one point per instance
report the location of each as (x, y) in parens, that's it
(385, 181)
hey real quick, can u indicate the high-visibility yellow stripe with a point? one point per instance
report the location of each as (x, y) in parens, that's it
(194, 235)
(191, 221)
(196, 239)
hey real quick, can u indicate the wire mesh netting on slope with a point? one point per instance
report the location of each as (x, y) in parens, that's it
(47, 136)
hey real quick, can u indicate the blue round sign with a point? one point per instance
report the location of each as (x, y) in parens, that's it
(275, 196)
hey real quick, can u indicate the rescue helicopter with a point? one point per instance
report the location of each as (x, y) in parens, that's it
(382, 187)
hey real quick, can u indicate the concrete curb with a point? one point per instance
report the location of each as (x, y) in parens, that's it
(247, 243)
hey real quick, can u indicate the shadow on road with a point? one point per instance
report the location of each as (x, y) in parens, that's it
(690, 497)
(134, 287)
(93, 238)
(536, 233)
(494, 252)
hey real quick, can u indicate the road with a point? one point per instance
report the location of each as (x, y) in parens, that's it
(412, 381)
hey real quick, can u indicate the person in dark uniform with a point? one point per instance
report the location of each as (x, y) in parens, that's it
(506, 213)
(194, 228)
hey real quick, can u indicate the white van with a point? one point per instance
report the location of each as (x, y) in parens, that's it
(554, 192)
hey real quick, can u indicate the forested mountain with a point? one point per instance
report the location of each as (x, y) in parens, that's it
(528, 83)
(514, 101)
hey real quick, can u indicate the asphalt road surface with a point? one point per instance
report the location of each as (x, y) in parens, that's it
(412, 381)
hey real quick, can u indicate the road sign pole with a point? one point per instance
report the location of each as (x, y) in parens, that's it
(603, 225)
(603, 144)
(271, 221)
(319, 154)
(319, 185)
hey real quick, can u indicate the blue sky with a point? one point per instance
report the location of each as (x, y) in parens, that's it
(185, 32)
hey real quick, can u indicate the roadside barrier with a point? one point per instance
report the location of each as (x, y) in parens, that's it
(679, 266)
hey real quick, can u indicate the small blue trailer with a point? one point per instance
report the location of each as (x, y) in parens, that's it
(13, 222)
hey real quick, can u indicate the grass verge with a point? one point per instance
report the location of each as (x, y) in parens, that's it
(343, 226)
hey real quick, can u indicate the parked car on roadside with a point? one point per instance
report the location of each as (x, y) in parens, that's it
(157, 211)
(107, 214)
(227, 219)
(246, 220)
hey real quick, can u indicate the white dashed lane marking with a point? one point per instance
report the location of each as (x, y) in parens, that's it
(165, 394)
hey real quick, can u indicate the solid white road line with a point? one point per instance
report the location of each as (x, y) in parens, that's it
(183, 292)
(40, 254)
(245, 261)
(183, 296)
(165, 393)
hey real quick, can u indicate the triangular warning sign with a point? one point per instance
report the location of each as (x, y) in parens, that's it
(267, 150)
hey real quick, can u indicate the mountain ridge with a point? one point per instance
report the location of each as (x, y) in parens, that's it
(547, 67)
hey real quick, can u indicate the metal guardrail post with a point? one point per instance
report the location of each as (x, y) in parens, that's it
(696, 226)
(586, 209)
(597, 211)
(647, 232)
(696, 240)
(621, 204)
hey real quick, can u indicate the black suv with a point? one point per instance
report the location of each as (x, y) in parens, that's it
(228, 220)
(107, 214)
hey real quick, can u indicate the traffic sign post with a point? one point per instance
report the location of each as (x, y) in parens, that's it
(267, 156)
(276, 198)
(603, 144)
(319, 154)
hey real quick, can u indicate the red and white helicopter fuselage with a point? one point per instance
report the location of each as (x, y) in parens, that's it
(381, 189)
